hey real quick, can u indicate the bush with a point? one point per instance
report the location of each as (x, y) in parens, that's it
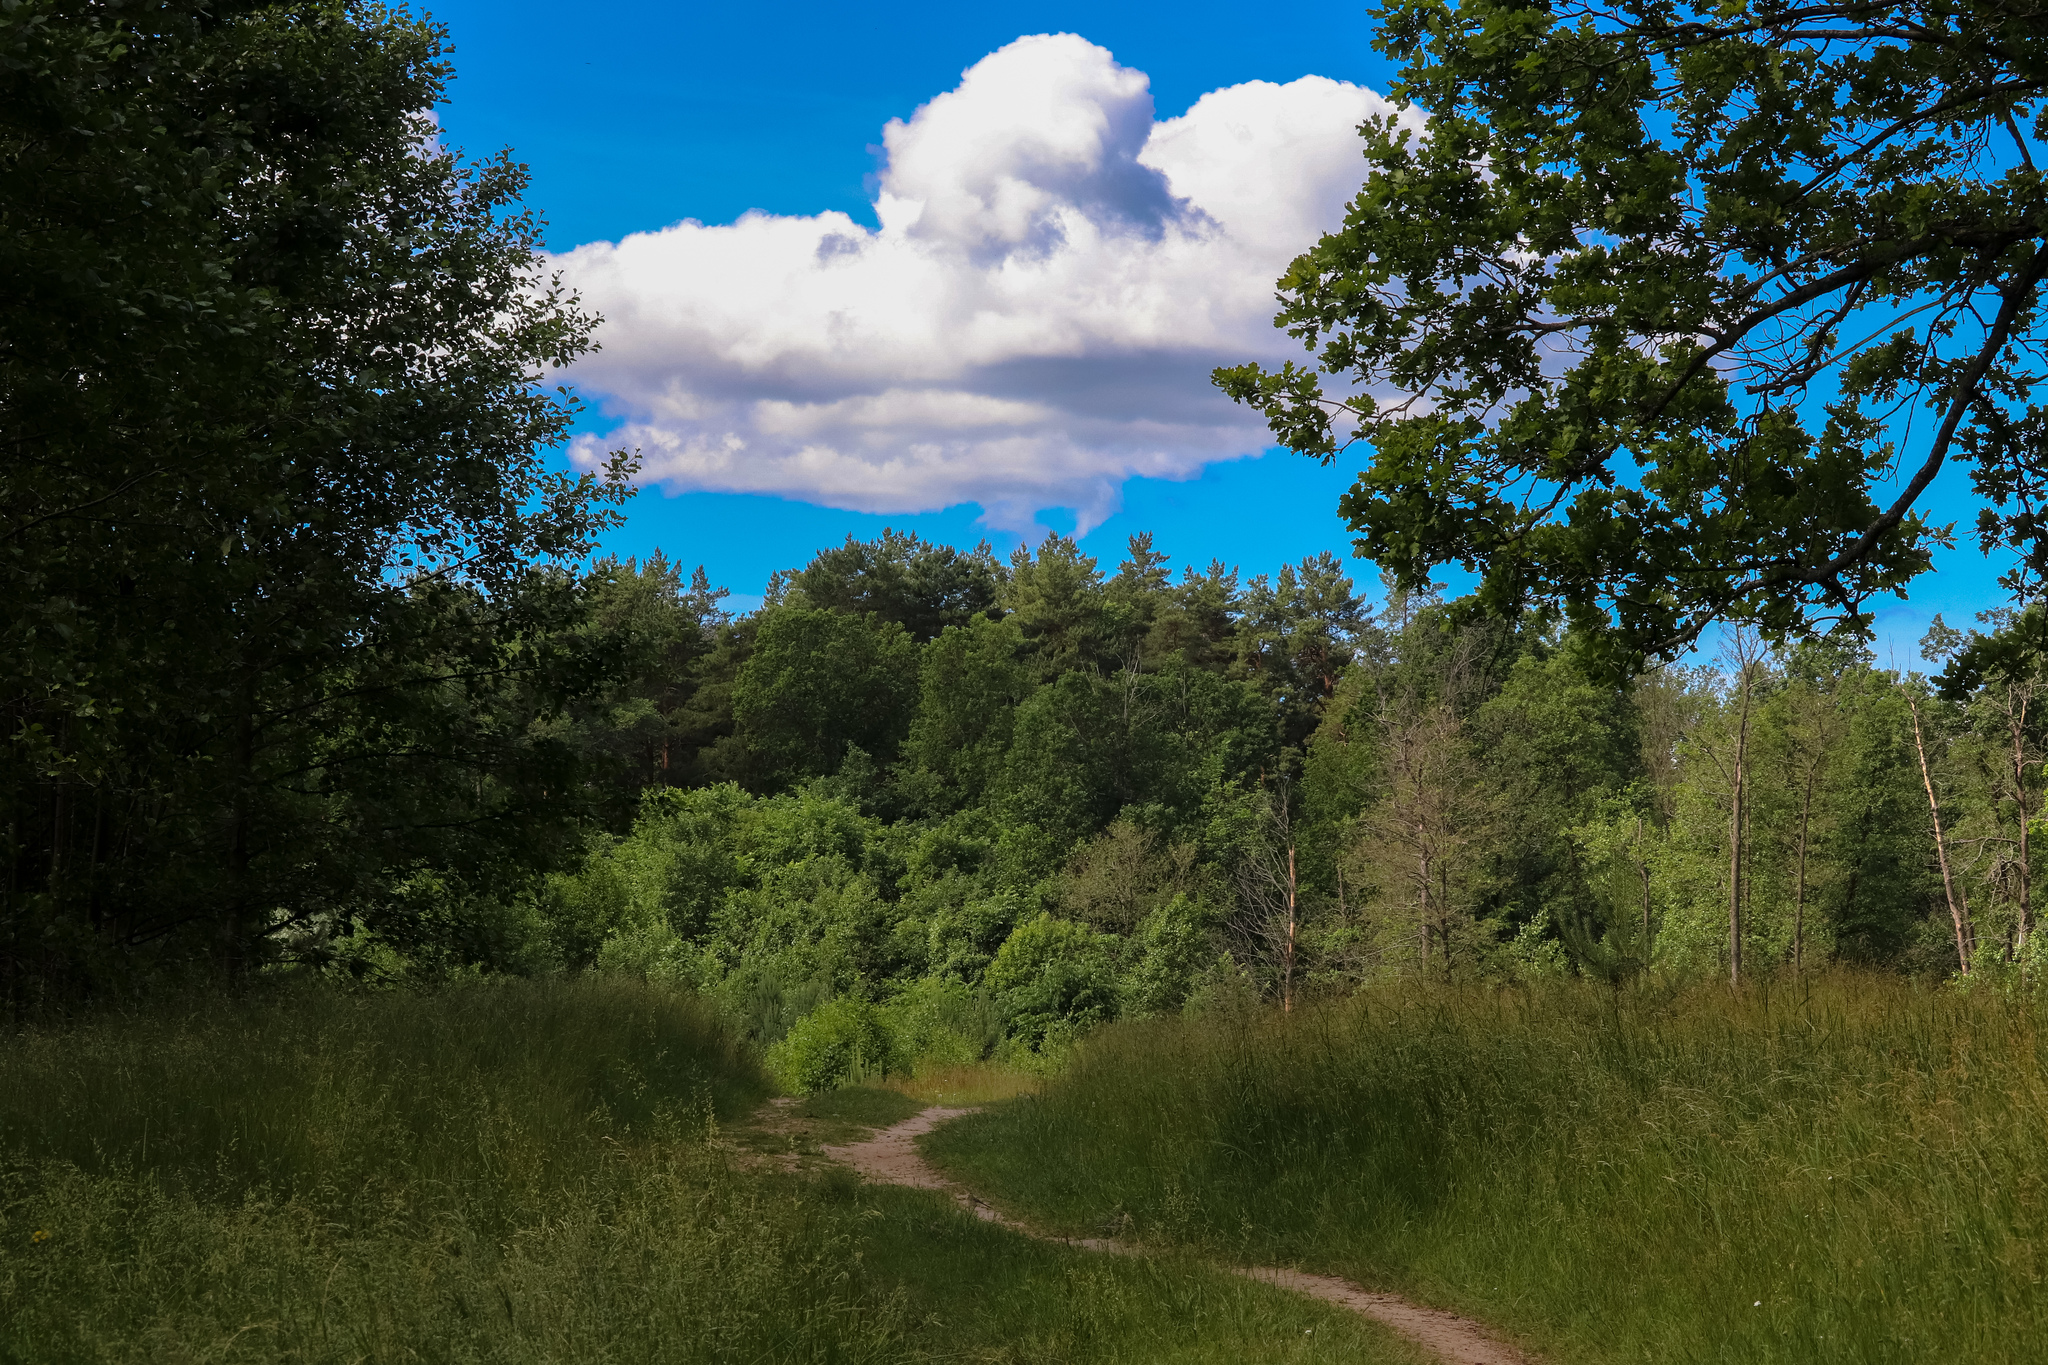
(1173, 947)
(1053, 976)
(651, 951)
(841, 1041)
(940, 1022)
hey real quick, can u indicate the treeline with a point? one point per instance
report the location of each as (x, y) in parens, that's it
(950, 804)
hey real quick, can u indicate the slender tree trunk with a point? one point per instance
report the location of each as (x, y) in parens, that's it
(1424, 908)
(2016, 718)
(1736, 812)
(1287, 977)
(1958, 913)
(1799, 890)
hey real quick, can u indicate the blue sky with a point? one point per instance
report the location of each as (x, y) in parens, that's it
(634, 117)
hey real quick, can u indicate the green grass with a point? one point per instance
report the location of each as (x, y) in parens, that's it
(521, 1173)
(512, 1173)
(1855, 1169)
(987, 1294)
(859, 1106)
(970, 1083)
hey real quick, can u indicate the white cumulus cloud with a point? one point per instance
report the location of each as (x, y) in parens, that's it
(1034, 322)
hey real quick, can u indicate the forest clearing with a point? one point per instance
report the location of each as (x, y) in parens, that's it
(1583, 925)
(586, 1170)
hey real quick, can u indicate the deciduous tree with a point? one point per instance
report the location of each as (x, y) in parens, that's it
(1636, 296)
(275, 504)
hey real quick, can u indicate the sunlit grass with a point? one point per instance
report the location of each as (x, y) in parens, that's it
(959, 1085)
(1848, 1169)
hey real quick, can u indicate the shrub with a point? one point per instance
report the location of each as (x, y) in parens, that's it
(1172, 949)
(1054, 976)
(841, 1041)
(938, 1022)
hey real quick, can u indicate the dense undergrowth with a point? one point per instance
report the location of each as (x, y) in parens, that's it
(517, 1172)
(1842, 1169)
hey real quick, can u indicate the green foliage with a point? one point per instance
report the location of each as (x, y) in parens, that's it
(971, 680)
(963, 936)
(1054, 978)
(1169, 951)
(939, 1021)
(1556, 744)
(924, 588)
(1652, 280)
(1056, 846)
(820, 682)
(647, 728)
(284, 620)
(841, 1042)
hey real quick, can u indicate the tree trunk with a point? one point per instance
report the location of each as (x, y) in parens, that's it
(1958, 913)
(1424, 908)
(1287, 977)
(1735, 832)
(1799, 891)
(2016, 721)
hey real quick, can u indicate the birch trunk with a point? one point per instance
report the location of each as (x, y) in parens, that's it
(1958, 913)
(1735, 833)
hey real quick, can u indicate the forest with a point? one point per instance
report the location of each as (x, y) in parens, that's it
(1001, 802)
(311, 662)
(929, 803)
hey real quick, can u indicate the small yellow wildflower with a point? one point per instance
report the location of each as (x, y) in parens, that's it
(39, 1236)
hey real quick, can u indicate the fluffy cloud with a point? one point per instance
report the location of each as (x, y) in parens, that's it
(1034, 322)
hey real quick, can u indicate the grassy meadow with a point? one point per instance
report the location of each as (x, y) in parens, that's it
(1852, 1168)
(522, 1171)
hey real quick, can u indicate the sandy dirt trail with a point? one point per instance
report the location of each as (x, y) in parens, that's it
(891, 1157)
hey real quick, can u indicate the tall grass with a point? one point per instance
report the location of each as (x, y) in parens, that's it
(505, 1173)
(1848, 1169)
(519, 1173)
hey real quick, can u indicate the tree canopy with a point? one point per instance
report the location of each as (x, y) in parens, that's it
(1642, 304)
(275, 512)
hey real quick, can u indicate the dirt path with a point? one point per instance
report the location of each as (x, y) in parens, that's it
(891, 1157)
